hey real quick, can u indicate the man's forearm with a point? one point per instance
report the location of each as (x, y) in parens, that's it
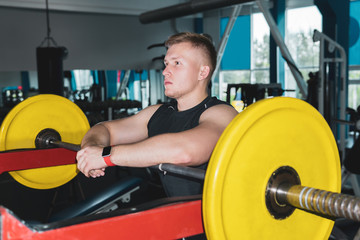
(98, 135)
(165, 148)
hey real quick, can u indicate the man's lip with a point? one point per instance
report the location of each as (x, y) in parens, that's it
(167, 82)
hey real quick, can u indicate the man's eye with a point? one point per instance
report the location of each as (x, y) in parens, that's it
(177, 63)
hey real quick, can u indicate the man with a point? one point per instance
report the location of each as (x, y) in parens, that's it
(183, 133)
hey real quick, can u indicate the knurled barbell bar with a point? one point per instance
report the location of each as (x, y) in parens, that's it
(259, 174)
(51, 138)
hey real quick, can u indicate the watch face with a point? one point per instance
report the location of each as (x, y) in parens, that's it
(106, 151)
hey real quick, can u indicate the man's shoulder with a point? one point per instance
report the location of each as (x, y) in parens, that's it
(220, 110)
(223, 107)
(148, 111)
(218, 104)
(215, 101)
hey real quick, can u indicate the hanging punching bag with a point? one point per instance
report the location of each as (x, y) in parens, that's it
(50, 69)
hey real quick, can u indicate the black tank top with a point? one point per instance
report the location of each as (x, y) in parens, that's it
(167, 119)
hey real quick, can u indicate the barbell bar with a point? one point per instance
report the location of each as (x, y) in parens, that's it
(283, 192)
(49, 137)
(283, 189)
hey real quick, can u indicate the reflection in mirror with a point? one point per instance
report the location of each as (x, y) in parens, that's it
(101, 94)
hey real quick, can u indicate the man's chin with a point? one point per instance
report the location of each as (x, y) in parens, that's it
(169, 94)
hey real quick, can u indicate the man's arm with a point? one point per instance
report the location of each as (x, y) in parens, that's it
(121, 131)
(189, 148)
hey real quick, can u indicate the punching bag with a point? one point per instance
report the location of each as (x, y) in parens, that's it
(50, 69)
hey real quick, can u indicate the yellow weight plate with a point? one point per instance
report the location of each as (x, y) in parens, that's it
(267, 135)
(23, 123)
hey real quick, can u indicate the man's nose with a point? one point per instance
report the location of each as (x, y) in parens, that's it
(165, 71)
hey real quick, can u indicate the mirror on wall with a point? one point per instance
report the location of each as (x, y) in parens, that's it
(101, 94)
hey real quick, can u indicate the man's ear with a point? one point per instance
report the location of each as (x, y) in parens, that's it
(204, 72)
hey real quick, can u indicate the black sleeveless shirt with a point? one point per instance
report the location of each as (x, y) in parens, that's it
(167, 119)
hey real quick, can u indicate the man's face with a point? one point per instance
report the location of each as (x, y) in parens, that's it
(182, 67)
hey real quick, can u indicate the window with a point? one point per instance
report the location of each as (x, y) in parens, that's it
(298, 39)
(354, 57)
(250, 59)
(260, 59)
(354, 89)
(83, 79)
(229, 77)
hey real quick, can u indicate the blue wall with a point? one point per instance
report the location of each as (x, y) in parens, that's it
(354, 41)
(237, 52)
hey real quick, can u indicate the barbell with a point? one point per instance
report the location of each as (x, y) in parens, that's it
(274, 173)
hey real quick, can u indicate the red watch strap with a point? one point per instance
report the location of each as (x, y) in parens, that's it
(108, 162)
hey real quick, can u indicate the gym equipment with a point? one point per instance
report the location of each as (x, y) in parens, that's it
(183, 9)
(260, 189)
(49, 62)
(104, 201)
(27, 119)
(254, 92)
(262, 160)
(22, 159)
(162, 219)
(49, 117)
(12, 96)
(265, 174)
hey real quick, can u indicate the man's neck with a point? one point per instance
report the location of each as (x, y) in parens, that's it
(190, 102)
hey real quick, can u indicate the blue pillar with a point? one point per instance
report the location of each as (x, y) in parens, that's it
(198, 25)
(336, 18)
(131, 85)
(111, 81)
(73, 82)
(277, 69)
(94, 73)
(25, 82)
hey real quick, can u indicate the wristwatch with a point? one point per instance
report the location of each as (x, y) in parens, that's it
(106, 153)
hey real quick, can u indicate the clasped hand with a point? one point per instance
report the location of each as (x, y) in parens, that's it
(90, 161)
